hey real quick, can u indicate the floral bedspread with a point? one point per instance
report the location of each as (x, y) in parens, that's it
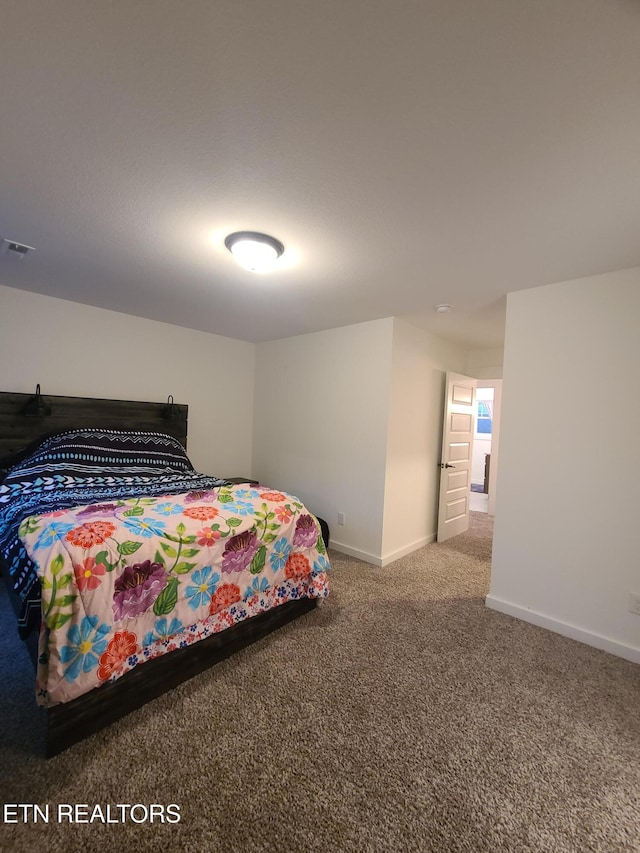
(130, 580)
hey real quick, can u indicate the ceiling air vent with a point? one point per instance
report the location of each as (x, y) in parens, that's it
(15, 249)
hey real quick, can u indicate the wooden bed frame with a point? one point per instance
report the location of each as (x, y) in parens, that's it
(25, 418)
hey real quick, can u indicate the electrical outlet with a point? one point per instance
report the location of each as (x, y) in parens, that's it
(634, 603)
(340, 518)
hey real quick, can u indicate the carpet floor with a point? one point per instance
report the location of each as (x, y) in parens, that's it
(400, 715)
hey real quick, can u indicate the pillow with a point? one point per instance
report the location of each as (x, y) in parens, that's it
(87, 452)
(12, 459)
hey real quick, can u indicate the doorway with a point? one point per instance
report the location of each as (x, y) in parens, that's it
(484, 465)
(481, 458)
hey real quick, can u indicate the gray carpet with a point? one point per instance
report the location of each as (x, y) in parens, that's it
(401, 715)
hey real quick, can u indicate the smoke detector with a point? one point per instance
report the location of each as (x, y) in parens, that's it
(15, 249)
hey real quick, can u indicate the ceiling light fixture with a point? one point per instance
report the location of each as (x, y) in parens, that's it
(443, 309)
(254, 251)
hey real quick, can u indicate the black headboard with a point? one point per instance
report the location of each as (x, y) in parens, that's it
(27, 417)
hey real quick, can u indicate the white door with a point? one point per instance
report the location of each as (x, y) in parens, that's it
(455, 464)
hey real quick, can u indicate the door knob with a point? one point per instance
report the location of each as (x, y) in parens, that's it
(446, 465)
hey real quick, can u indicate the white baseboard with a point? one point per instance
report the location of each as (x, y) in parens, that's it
(408, 549)
(388, 558)
(565, 628)
(355, 552)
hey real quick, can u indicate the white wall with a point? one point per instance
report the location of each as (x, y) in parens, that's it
(321, 410)
(419, 365)
(77, 350)
(349, 419)
(481, 446)
(484, 363)
(565, 551)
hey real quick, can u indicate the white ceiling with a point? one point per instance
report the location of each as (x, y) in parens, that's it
(406, 152)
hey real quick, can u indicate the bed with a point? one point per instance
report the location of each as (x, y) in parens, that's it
(130, 571)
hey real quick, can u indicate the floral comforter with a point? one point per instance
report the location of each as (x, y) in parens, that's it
(128, 580)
